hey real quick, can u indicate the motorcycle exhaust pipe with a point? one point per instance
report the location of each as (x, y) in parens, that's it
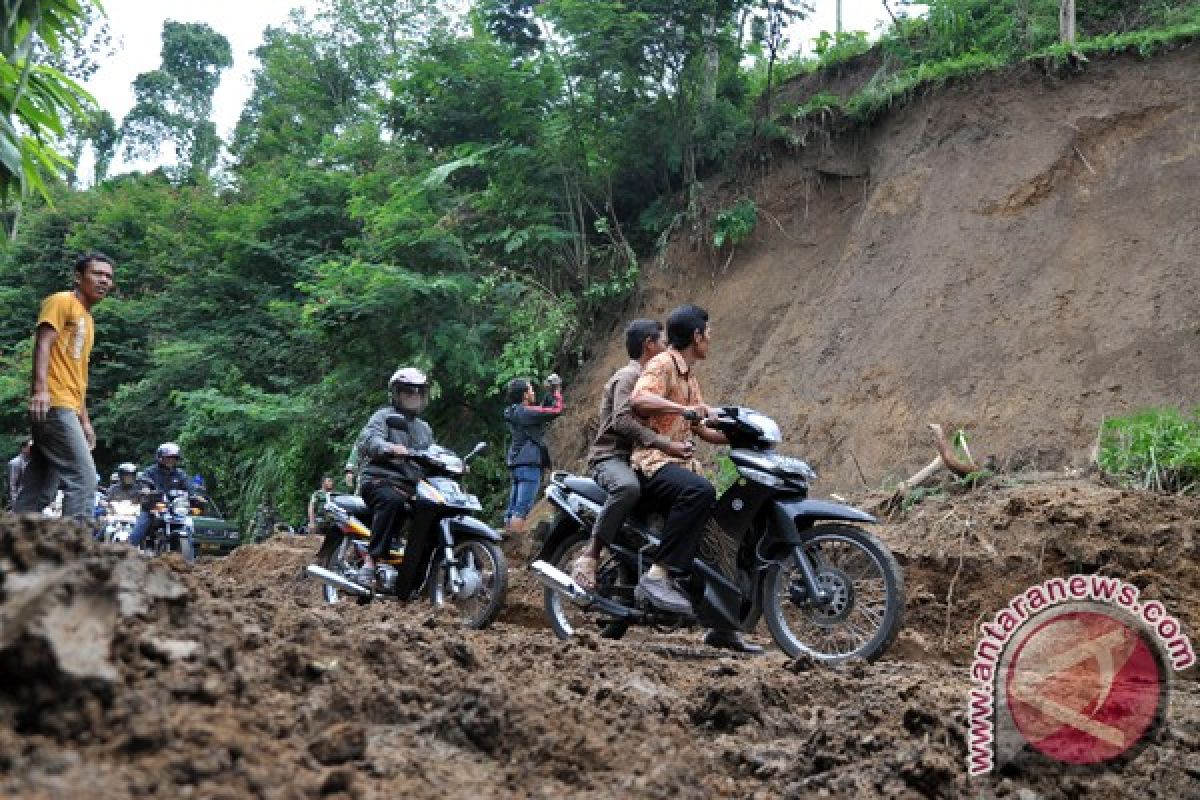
(555, 579)
(336, 581)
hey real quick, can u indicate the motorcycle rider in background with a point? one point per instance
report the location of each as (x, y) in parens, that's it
(126, 487)
(161, 476)
(388, 479)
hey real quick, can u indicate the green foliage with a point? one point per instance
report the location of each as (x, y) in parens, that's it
(726, 474)
(410, 186)
(1152, 449)
(836, 48)
(956, 39)
(1143, 42)
(735, 223)
(174, 102)
(36, 99)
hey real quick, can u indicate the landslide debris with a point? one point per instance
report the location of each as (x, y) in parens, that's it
(130, 677)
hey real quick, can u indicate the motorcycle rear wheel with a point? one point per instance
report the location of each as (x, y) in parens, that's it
(868, 588)
(486, 558)
(565, 617)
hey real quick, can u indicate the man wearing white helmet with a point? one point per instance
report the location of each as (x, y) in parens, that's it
(161, 476)
(388, 478)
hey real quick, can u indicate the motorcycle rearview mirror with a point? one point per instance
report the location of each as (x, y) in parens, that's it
(476, 450)
(397, 422)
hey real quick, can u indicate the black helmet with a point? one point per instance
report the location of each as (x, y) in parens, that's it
(408, 389)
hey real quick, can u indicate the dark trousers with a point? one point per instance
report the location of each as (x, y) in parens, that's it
(390, 507)
(690, 498)
(623, 487)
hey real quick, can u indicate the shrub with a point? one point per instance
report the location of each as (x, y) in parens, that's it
(1152, 449)
(735, 224)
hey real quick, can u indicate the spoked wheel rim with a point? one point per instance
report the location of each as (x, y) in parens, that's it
(483, 576)
(569, 618)
(566, 618)
(857, 617)
(345, 559)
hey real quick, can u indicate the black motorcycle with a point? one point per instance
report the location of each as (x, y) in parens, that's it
(828, 588)
(466, 567)
(172, 529)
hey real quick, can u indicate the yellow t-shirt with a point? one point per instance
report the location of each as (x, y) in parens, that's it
(67, 372)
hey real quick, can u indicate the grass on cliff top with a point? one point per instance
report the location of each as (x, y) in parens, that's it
(887, 91)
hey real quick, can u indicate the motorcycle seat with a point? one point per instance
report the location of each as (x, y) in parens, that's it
(586, 487)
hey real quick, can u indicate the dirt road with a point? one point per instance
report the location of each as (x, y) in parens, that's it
(125, 677)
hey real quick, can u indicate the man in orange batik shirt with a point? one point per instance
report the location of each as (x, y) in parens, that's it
(666, 390)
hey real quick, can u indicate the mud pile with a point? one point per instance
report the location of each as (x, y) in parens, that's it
(126, 677)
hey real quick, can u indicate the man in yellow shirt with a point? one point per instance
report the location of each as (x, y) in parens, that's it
(63, 438)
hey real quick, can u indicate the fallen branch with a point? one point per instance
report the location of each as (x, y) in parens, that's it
(962, 466)
(956, 465)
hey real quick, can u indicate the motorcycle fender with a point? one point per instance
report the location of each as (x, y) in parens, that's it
(469, 527)
(802, 514)
(559, 499)
(564, 525)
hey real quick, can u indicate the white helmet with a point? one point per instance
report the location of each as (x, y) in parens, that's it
(409, 390)
(166, 450)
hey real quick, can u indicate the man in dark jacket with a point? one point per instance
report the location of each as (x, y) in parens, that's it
(527, 455)
(388, 478)
(160, 477)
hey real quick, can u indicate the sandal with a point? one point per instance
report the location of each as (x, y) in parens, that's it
(583, 572)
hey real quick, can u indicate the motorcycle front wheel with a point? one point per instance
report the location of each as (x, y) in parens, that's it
(565, 617)
(338, 555)
(187, 549)
(181, 545)
(867, 589)
(484, 575)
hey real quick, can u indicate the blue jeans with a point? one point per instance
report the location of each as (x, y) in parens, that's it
(140, 528)
(60, 456)
(525, 484)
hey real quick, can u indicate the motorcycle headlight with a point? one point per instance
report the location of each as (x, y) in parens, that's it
(794, 466)
(181, 507)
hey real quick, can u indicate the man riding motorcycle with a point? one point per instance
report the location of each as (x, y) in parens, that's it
(125, 487)
(388, 479)
(667, 393)
(161, 476)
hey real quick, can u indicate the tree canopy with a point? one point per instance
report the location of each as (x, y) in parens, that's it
(466, 191)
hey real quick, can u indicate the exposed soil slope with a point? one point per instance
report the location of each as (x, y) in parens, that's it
(132, 678)
(1016, 256)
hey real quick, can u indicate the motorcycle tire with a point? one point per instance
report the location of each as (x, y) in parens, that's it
(783, 597)
(477, 615)
(332, 556)
(556, 606)
(187, 549)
